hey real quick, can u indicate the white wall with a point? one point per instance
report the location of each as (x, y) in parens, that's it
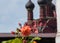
(58, 20)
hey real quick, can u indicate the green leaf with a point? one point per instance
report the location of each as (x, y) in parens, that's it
(35, 38)
(30, 37)
(9, 41)
(4, 41)
(28, 41)
(17, 40)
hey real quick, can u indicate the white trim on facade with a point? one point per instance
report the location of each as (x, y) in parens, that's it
(58, 21)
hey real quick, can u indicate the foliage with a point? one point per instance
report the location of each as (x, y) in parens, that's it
(16, 40)
(24, 32)
(20, 40)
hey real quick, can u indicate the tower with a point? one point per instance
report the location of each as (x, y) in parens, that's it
(30, 6)
(46, 8)
(48, 16)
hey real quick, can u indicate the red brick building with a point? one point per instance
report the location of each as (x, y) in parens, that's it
(47, 22)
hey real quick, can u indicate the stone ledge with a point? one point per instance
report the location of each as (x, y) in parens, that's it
(33, 35)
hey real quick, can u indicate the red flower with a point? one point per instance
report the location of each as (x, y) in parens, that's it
(36, 32)
(24, 41)
(13, 32)
(19, 30)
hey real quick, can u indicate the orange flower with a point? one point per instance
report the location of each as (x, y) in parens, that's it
(34, 42)
(26, 31)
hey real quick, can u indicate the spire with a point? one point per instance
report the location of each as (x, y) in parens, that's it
(29, 0)
(30, 6)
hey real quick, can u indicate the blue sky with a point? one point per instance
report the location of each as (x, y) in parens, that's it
(14, 11)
